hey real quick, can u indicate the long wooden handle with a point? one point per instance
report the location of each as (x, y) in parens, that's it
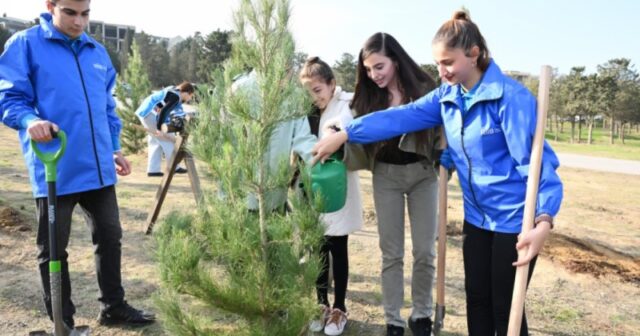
(520, 285)
(442, 231)
(438, 322)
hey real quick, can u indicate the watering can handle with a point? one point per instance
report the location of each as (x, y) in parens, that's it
(51, 158)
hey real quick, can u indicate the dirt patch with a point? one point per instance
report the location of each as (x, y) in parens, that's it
(11, 220)
(580, 256)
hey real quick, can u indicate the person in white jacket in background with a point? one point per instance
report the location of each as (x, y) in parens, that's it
(332, 109)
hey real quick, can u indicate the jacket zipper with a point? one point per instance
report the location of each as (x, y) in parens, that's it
(93, 136)
(473, 193)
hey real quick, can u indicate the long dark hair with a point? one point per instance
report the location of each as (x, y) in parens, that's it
(413, 82)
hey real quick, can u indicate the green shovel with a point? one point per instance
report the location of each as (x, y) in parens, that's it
(50, 159)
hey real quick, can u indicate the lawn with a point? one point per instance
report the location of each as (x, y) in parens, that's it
(600, 147)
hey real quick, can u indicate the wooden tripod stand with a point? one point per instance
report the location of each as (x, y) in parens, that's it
(180, 153)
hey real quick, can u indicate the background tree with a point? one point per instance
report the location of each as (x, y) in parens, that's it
(155, 58)
(132, 88)
(345, 72)
(628, 106)
(125, 49)
(216, 48)
(184, 59)
(575, 101)
(602, 93)
(557, 101)
(299, 58)
(243, 262)
(195, 53)
(432, 70)
(622, 71)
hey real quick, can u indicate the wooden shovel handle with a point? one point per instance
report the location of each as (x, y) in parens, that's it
(520, 284)
(442, 230)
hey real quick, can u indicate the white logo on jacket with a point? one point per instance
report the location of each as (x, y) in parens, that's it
(491, 130)
(99, 66)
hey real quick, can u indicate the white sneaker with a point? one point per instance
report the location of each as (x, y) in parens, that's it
(318, 325)
(336, 323)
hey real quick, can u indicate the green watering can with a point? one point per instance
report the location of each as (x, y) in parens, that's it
(329, 181)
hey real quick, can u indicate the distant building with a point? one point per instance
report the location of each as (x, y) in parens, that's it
(111, 34)
(114, 35)
(14, 25)
(518, 75)
(159, 40)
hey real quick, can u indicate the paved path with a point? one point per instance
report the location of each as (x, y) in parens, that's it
(601, 164)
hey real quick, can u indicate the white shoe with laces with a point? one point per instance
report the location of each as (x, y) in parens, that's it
(336, 323)
(318, 325)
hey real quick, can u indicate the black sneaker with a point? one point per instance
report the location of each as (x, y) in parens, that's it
(181, 170)
(394, 330)
(125, 314)
(420, 327)
(156, 174)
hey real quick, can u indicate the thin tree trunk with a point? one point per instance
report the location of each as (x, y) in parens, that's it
(557, 127)
(590, 136)
(561, 126)
(573, 129)
(621, 132)
(612, 130)
(262, 214)
(579, 129)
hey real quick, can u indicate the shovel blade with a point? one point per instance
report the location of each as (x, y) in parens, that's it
(78, 331)
(438, 322)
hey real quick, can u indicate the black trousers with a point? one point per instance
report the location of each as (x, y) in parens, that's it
(489, 279)
(337, 246)
(100, 209)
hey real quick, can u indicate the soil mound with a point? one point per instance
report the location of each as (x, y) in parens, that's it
(11, 220)
(589, 257)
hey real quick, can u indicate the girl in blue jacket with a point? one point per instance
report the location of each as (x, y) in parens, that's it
(489, 121)
(169, 99)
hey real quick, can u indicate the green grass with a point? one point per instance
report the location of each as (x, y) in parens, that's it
(600, 147)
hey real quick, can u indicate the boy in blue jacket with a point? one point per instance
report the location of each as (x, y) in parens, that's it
(54, 76)
(490, 121)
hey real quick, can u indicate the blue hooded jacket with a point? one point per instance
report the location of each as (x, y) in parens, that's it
(44, 75)
(490, 144)
(148, 104)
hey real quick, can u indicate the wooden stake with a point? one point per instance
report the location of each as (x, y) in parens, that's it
(442, 243)
(520, 284)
